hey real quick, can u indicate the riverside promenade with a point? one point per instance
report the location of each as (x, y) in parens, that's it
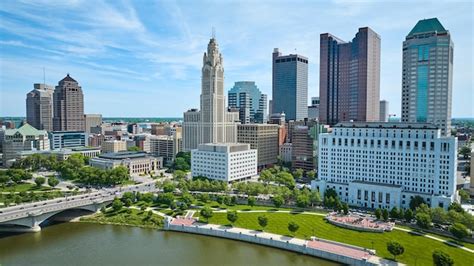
(317, 247)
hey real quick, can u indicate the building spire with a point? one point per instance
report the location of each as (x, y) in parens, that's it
(213, 36)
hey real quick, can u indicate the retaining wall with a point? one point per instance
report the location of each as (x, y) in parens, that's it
(291, 244)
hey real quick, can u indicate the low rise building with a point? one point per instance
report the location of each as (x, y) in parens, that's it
(385, 165)
(136, 162)
(68, 139)
(224, 161)
(286, 152)
(112, 146)
(166, 146)
(263, 138)
(25, 138)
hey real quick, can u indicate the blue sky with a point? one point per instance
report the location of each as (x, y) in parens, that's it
(143, 58)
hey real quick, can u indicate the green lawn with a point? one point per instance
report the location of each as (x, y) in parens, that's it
(451, 239)
(24, 187)
(418, 249)
(240, 207)
(123, 217)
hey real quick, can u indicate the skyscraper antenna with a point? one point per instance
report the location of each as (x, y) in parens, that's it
(213, 33)
(44, 77)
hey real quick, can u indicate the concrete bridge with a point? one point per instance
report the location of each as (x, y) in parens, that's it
(29, 217)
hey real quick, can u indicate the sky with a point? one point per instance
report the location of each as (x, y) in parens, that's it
(143, 58)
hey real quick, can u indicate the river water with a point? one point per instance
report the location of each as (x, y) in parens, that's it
(91, 244)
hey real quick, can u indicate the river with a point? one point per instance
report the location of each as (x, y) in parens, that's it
(91, 244)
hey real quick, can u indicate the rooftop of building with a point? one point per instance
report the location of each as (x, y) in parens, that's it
(427, 25)
(25, 130)
(68, 78)
(123, 155)
(392, 125)
(67, 132)
(376, 184)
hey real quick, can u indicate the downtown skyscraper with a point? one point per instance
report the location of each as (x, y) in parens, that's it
(68, 106)
(213, 123)
(427, 76)
(349, 78)
(290, 85)
(39, 107)
(252, 103)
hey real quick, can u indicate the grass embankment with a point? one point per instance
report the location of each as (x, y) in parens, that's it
(450, 239)
(129, 217)
(418, 249)
(25, 187)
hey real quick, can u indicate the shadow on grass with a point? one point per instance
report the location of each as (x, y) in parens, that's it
(272, 210)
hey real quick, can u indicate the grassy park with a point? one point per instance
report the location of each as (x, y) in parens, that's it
(418, 249)
(129, 217)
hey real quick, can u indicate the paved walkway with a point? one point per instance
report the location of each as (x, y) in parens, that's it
(267, 211)
(434, 238)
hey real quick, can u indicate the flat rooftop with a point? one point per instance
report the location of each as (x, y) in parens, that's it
(394, 125)
(123, 155)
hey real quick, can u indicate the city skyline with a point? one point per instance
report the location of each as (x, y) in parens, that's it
(161, 58)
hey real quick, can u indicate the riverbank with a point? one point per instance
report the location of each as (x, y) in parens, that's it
(321, 248)
(125, 217)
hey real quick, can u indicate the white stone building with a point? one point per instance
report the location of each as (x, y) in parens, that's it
(382, 165)
(286, 152)
(136, 162)
(224, 161)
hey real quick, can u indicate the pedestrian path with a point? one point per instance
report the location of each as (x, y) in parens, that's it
(435, 238)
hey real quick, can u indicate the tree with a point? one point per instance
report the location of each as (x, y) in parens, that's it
(395, 249)
(262, 221)
(232, 217)
(416, 201)
(345, 208)
(302, 200)
(278, 201)
(464, 194)
(266, 176)
(465, 151)
(168, 187)
(285, 178)
(204, 197)
(40, 181)
(53, 181)
(293, 227)
(385, 214)
(187, 198)
(408, 215)
(315, 197)
(441, 258)
(311, 174)
(117, 205)
(394, 213)
(133, 148)
(439, 215)
(251, 201)
(459, 231)
(456, 207)
(423, 220)
(207, 213)
(378, 213)
(179, 174)
(298, 173)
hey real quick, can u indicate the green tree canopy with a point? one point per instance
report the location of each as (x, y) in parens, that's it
(441, 258)
(395, 249)
(263, 221)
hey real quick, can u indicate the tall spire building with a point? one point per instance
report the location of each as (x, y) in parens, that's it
(213, 123)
